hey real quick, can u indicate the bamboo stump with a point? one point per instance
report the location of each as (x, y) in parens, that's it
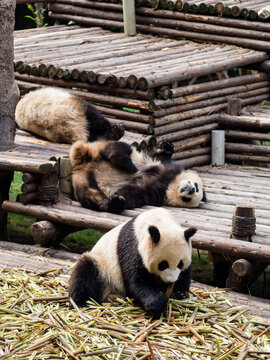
(243, 272)
(47, 234)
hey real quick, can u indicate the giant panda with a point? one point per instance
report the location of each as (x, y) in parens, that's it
(113, 176)
(137, 259)
(57, 115)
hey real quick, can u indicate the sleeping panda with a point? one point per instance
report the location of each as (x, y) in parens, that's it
(113, 176)
(137, 259)
(59, 116)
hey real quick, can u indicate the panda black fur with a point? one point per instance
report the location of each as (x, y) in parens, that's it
(113, 176)
(137, 259)
(59, 116)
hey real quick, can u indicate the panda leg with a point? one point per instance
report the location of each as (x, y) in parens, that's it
(100, 128)
(181, 286)
(118, 154)
(164, 151)
(85, 282)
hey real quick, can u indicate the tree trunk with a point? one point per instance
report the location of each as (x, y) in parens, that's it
(9, 93)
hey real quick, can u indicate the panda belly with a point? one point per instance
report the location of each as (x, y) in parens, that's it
(106, 255)
(110, 179)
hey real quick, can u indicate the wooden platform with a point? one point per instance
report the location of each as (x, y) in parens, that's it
(225, 188)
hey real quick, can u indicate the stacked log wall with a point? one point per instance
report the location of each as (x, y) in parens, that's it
(175, 24)
(247, 136)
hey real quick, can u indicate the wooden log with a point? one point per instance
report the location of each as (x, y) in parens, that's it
(201, 27)
(47, 234)
(247, 149)
(239, 158)
(215, 85)
(242, 267)
(180, 104)
(105, 221)
(246, 135)
(193, 131)
(245, 122)
(217, 20)
(22, 80)
(195, 161)
(27, 198)
(193, 153)
(29, 187)
(27, 165)
(191, 142)
(29, 178)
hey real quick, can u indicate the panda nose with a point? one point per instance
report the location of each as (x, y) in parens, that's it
(191, 191)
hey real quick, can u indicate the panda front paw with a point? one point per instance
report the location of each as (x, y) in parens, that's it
(156, 304)
(116, 203)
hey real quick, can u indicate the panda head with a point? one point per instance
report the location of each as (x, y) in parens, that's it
(186, 190)
(164, 246)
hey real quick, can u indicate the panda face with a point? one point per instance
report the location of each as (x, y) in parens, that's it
(165, 247)
(185, 191)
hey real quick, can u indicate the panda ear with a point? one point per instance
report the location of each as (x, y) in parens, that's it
(154, 232)
(189, 232)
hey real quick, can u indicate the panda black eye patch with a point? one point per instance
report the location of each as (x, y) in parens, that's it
(181, 264)
(163, 265)
(196, 186)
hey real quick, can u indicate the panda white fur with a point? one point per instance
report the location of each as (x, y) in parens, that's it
(114, 176)
(137, 259)
(59, 116)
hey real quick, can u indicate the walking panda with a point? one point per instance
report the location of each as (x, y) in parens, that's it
(114, 176)
(59, 116)
(137, 259)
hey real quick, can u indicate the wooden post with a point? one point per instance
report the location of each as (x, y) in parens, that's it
(9, 95)
(217, 147)
(129, 17)
(243, 272)
(65, 181)
(234, 106)
(9, 92)
(46, 233)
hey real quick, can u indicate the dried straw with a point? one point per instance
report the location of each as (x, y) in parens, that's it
(38, 321)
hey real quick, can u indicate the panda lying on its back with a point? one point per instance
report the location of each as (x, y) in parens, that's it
(113, 176)
(60, 116)
(137, 259)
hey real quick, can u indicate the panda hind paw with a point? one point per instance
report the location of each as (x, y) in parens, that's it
(116, 203)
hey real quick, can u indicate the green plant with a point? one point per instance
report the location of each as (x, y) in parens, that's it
(37, 16)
